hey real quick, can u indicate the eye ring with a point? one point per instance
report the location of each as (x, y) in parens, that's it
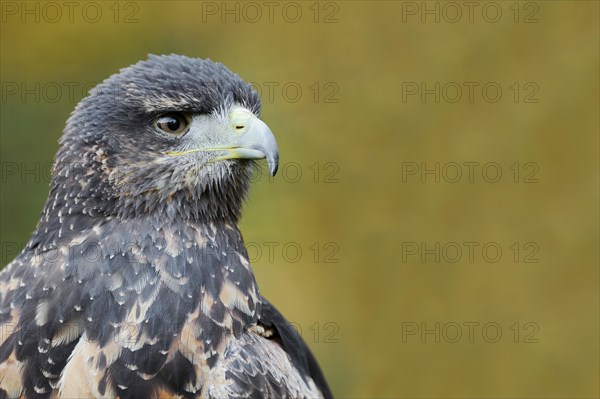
(173, 123)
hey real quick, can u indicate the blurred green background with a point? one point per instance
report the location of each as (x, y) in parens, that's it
(366, 289)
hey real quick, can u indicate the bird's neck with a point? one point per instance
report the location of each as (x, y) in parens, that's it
(64, 217)
(97, 188)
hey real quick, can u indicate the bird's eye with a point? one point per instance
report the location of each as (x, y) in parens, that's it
(172, 123)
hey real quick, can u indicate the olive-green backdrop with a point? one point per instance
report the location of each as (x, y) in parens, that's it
(433, 231)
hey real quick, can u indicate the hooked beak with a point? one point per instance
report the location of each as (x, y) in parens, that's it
(257, 143)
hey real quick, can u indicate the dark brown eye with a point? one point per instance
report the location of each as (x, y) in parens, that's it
(172, 123)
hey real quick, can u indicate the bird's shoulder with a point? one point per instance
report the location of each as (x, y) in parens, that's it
(282, 344)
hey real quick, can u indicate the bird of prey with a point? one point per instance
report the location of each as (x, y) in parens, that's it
(136, 282)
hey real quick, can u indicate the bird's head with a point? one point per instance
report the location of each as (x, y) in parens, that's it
(170, 134)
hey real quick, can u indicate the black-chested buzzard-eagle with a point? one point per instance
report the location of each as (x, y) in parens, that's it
(136, 283)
